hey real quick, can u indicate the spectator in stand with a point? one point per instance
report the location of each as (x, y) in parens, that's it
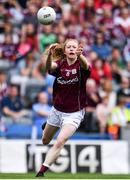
(116, 75)
(126, 51)
(3, 86)
(126, 71)
(117, 66)
(86, 36)
(118, 5)
(107, 90)
(106, 4)
(123, 20)
(93, 98)
(101, 47)
(3, 17)
(74, 15)
(39, 71)
(93, 57)
(30, 15)
(23, 47)
(117, 38)
(8, 29)
(87, 11)
(49, 88)
(15, 13)
(120, 116)
(30, 32)
(41, 75)
(124, 89)
(25, 73)
(26, 66)
(117, 57)
(38, 3)
(47, 38)
(8, 49)
(12, 106)
(104, 26)
(41, 111)
(57, 5)
(61, 38)
(100, 71)
(107, 20)
(103, 113)
(71, 32)
(3, 93)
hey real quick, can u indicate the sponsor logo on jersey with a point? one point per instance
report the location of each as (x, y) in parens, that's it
(60, 80)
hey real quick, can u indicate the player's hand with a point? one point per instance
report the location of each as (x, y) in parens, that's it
(52, 48)
(80, 50)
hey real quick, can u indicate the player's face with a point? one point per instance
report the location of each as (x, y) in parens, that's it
(70, 49)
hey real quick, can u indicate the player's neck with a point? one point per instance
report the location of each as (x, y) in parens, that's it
(71, 61)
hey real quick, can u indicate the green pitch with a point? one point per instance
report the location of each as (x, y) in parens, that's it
(62, 176)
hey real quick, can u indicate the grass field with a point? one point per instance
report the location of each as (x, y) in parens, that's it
(62, 176)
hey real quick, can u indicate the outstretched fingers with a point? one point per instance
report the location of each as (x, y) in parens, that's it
(80, 50)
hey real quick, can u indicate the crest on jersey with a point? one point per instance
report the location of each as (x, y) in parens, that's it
(67, 73)
(74, 71)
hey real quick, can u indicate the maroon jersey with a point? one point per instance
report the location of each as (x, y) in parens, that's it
(69, 91)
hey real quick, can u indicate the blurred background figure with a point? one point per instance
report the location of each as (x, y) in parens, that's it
(3, 84)
(101, 47)
(103, 114)
(47, 37)
(90, 123)
(120, 117)
(124, 89)
(100, 71)
(3, 93)
(40, 110)
(107, 90)
(8, 49)
(24, 74)
(13, 107)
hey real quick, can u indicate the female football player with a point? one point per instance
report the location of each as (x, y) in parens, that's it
(69, 96)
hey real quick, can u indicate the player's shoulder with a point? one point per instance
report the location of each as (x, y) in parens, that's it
(60, 62)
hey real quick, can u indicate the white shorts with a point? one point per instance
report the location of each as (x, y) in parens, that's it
(58, 118)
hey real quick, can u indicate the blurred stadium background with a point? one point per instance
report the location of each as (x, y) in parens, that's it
(102, 143)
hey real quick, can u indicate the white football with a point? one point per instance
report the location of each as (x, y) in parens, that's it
(46, 15)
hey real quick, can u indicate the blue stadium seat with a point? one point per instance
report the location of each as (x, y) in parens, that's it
(91, 136)
(19, 131)
(23, 131)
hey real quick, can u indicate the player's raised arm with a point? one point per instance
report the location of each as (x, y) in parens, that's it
(83, 60)
(47, 59)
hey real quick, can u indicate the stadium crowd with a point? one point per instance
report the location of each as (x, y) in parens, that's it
(102, 26)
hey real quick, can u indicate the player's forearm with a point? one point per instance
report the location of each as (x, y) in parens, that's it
(48, 62)
(83, 61)
(50, 65)
(43, 113)
(8, 112)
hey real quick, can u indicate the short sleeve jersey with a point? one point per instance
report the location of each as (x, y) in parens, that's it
(69, 89)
